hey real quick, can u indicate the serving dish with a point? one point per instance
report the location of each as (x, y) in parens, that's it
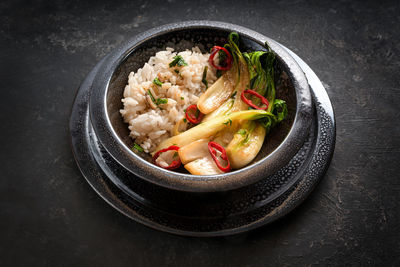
(193, 210)
(111, 78)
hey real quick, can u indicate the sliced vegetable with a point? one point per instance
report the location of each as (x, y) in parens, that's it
(203, 166)
(174, 164)
(250, 103)
(194, 150)
(249, 137)
(217, 93)
(211, 127)
(180, 126)
(222, 110)
(212, 100)
(194, 117)
(213, 147)
(178, 61)
(261, 69)
(235, 79)
(224, 64)
(197, 159)
(246, 144)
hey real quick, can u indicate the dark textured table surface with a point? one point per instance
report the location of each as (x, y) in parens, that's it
(49, 215)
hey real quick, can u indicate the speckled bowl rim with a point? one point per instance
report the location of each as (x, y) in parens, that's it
(187, 182)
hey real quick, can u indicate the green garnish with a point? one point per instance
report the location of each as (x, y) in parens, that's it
(182, 98)
(178, 61)
(204, 80)
(222, 58)
(156, 81)
(234, 95)
(280, 109)
(176, 71)
(242, 132)
(261, 70)
(175, 154)
(184, 120)
(228, 122)
(219, 73)
(137, 147)
(151, 96)
(161, 101)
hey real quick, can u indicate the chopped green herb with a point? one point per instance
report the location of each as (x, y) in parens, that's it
(156, 81)
(151, 96)
(137, 147)
(184, 120)
(161, 101)
(178, 61)
(242, 132)
(204, 80)
(176, 71)
(234, 95)
(228, 122)
(182, 98)
(219, 73)
(175, 154)
(174, 144)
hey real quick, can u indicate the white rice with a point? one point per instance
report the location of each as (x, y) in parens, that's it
(150, 124)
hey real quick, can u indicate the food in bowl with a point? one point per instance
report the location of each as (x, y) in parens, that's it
(209, 112)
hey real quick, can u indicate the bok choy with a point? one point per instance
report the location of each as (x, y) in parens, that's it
(235, 123)
(235, 79)
(210, 128)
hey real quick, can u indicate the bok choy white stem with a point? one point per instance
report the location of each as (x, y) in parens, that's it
(233, 80)
(210, 128)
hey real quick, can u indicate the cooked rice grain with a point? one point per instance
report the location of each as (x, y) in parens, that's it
(150, 124)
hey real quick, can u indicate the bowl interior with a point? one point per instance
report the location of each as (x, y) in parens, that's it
(186, 39)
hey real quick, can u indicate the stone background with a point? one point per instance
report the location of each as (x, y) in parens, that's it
(49, 215)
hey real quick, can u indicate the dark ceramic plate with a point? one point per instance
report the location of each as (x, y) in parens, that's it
(206, 214)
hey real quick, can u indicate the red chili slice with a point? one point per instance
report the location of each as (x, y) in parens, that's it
(228, 62)
(174, 164)
(211, 147)
(250, 103)
(194, 118)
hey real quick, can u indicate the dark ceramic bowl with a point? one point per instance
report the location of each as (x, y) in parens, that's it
(279, 146)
